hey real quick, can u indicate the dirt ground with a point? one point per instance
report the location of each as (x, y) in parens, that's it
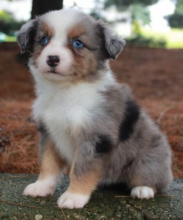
(155, 75)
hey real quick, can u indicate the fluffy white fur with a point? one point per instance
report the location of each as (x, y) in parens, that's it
(61, 21)
(57, 44)
(75, 103)
(142, 192)
(41, 187)
(71, 200)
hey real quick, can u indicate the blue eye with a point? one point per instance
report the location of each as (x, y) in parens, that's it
(77, 44)
(44, 40)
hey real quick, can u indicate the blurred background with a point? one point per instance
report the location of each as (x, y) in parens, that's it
(153, 23)
(151, 63)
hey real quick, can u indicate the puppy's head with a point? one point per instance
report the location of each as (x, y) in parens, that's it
(68, 44)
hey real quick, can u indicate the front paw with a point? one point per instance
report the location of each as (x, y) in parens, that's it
(72, 200)
(40, 188)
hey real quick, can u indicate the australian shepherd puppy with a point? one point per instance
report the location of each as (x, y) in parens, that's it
(89, 124)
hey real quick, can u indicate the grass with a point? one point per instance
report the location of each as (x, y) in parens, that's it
(10, 39)
(173, 37)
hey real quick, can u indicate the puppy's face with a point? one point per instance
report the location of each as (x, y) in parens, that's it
(68, 45)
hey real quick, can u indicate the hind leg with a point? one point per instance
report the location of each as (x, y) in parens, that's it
(149, 176)
(143, 192)
(142, 185)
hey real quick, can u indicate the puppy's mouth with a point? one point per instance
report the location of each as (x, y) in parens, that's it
(53, 71)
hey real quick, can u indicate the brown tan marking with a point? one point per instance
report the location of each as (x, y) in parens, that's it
(154, 190)
(86, 183)
(76, 31)
(46, 29)
(43, 30)
(51, 163)
(85, 61)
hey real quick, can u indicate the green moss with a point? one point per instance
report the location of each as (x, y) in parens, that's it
(103, 204)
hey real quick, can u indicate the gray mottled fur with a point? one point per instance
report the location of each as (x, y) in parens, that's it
(44, 136)
(143, 160)
(26, 35)
(113, 43)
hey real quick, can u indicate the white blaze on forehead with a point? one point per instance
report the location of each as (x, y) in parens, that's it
(62, 21)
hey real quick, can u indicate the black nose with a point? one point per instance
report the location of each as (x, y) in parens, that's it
(53, 61)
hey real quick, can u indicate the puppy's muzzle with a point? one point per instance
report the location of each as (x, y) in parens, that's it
(53, 61)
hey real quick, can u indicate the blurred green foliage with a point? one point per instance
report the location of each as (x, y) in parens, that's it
(176, 20)
(123, 4)
(5, 16)
(140, 40)
(151, 38)
(179, 7)
(140, 14)
(8, 24)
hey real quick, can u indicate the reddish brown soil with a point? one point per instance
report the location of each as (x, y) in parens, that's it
(155, 75)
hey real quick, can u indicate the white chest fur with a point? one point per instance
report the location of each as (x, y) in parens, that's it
(64, 110)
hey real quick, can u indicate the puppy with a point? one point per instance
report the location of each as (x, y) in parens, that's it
(89, 124)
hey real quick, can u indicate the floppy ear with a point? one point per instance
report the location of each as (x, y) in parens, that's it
(113, 44)
(26, 35)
